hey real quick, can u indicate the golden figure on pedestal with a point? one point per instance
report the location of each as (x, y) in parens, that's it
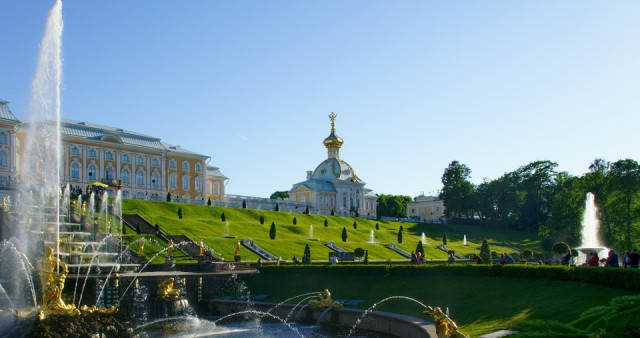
(445, 327)
(324, 300)
(166, 290)
(53, 273)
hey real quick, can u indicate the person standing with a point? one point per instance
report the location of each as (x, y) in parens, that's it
(594, 260)
(634, 257)
(451, 259)
(612, 260)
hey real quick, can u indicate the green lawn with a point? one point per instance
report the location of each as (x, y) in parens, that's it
(479, 304)
(204, 222)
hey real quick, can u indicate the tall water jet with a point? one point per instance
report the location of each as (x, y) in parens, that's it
(464, 240)
(590, 228)
(423, 239)
(372, 237)
(39, 185)
(310, 231)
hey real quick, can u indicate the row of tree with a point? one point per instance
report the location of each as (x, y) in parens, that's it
(536, 197)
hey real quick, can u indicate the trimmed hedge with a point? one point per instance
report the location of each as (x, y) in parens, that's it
(628, 279)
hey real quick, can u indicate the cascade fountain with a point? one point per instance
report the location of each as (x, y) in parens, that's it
(589, 233)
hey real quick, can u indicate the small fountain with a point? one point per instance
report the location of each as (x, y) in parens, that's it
(589, 234)
(311, 234)
(226, 231)
(423, 239)
(464, 240)
(372, 238)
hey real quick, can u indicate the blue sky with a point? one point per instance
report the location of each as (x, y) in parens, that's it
(415, 84)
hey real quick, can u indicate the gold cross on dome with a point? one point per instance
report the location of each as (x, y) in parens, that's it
(333, 118)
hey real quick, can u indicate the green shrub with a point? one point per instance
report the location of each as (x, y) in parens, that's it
(168, 197)
(277, 208)
(444, 239)
(420, 248)
(326, 223)
(485, 252)
(377, 226)
(261, 219)
(344, 234)
(295, 221)
(560, 248)
(180, 213)
(223, 217)
(332, 213)
(400, 236)
(527, 254)
(244, 204)
(272, 231)
(209, 201)
(358, 252)
(355, 225)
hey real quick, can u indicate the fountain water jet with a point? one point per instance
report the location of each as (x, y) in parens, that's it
(589, 233)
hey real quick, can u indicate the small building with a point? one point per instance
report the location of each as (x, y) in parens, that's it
(428, 209)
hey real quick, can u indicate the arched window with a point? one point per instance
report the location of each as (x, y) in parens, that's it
(215, 189)
(139, 160)
(108, 156)
(155, 179)
(198, 183)
(198, 167)
(125, 158)
(344, 200)
(154, 162)
(75, 151)
(140, 177)
(108, 173)
(91, 172)
(208, 188)
(3, 138)
(92, 153)
(351, 202)
(173, 181)
(172, 164)
(75, 170)
(185, 182)
(3, 159)
(185, 166)
(125, 176)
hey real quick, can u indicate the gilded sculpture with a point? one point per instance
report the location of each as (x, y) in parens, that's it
(445, 327)
(166, 290)
(324, 300)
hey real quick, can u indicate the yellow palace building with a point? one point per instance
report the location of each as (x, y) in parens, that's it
(142, 166)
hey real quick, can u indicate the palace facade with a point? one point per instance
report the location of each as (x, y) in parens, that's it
(428, 209)
(141, 166)
(334, 185)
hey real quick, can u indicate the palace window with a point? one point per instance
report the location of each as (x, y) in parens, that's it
(125, 176)
(172, 164)
(139, 160)
(185, 166)
(173, 184)
(140, 177)
(92, 153)
(185, 182)
(154, 162)
(215, 189)
(75, 170)
(108, 156)
(108, 173)
(75, 151)
(125, 158)
(3, 159)
(198, 183)
(3, 138)
(198, 167)
(91, 172)
(155, 179)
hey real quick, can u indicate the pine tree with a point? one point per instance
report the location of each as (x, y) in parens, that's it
(377, 226)
(277, 207)
(444, 239)
(485, 252)
(180, 213)
(244, 204)
(261, 219)
(401, 229)
(332, 213)
(209, 201)
(272, 231)
(326, 223)
(306, 210)
(295, 221)
(223, 217)
(344, 234)
(307, 252)
(400, 236)
(355, 225)
(168, 197)
(420, 248)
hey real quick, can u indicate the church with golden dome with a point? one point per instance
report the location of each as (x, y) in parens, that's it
(334, 185)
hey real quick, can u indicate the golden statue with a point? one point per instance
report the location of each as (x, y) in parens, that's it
(84, 208)
(169, 247)
(108, 226)
(5, 207)
(166, 290)
(141, 243)
(237, 249)
(445, 327)
(53, 273)
(324, 300)
(202, 248)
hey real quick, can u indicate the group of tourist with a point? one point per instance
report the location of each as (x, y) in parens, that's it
(630, 259)
(417, 258)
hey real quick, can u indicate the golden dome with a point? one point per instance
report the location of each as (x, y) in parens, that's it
(333, 141)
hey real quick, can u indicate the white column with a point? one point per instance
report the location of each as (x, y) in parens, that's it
(148, 178)
(85, 153)
(101, 169)
(163, 174)
(65, 162)
(118, 155)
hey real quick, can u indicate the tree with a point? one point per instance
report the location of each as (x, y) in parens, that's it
(527, 254)
(355, 225)
(626, 181)
(307, 252)
(272, 231)
(344, 234)
(566, 209)
(400, 236)
(366, 257)
(295, 221)
(168, 197)
(485, 252)
(358, 252)
(457, 192)
(277, 207)
(377, 226)
(444, 238)
(392, 205)
(560, 248)
(223, 217)
(333, 212)
(401, 228)
(326, 223)
(157, 227)
(209, 201)
(244, 204)
(306, 210)
(537, 185)
(420, 249)
(279, 194)
(180, 213)
(261, 219)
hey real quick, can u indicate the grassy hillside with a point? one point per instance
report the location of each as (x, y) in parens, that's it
(204, 222)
